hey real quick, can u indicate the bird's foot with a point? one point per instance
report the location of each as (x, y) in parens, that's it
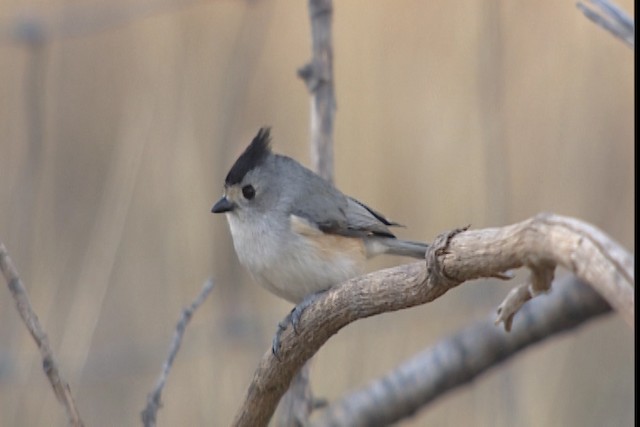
(293, 319)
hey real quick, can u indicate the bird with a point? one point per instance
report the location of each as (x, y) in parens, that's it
(296, 233)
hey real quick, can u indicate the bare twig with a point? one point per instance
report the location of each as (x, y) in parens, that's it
(154, 398)
(30, 318)
(298, 402)
(612, 19)
(453, 258)
(460, 358)
(318, 76)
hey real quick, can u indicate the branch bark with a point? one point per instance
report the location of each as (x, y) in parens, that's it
(30, 318)
(460, 358)
(318, 77)
(539, 243)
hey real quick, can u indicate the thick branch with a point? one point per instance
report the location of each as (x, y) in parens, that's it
(454, 258)
(30, 318)
(540, 244)
(460, 358)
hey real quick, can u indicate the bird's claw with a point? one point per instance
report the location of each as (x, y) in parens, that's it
(282, 326)
(293, 319)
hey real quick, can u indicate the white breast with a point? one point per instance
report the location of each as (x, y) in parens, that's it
(290, 264)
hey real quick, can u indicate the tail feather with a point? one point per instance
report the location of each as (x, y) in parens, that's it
(393, 246)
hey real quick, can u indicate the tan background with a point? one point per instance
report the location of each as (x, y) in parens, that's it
(449, 113)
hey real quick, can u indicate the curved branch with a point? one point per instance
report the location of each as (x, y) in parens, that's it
(460, 358)
(539, 243)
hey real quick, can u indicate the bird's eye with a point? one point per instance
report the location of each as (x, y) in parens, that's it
(248, 192)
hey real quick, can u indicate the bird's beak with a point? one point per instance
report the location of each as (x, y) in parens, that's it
(223, 205)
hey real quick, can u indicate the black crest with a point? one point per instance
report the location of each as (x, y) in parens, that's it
(253, 156)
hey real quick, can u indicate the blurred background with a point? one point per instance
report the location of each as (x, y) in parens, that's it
(119, 121)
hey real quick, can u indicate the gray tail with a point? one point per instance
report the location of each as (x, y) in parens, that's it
(405, 248)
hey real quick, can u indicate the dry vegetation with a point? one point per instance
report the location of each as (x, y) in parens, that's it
(117, 134)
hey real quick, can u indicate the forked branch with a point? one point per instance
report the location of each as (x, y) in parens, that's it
(460, 358)
(539, 243)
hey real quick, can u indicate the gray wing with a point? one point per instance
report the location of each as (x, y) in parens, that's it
(335, 213)
(314, 199)
(364, 219)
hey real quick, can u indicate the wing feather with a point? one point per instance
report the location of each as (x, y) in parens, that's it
(345, 216)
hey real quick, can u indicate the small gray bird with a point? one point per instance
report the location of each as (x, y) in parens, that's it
(296, 233)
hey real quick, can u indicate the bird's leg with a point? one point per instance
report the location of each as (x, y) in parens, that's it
(293, 319)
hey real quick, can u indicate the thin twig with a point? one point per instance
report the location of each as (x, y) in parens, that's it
(318, 76)
(612, 19)
(29, 317)
(298, 401)
(154, 402)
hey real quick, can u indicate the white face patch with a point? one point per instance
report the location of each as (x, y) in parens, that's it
(233, 193)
